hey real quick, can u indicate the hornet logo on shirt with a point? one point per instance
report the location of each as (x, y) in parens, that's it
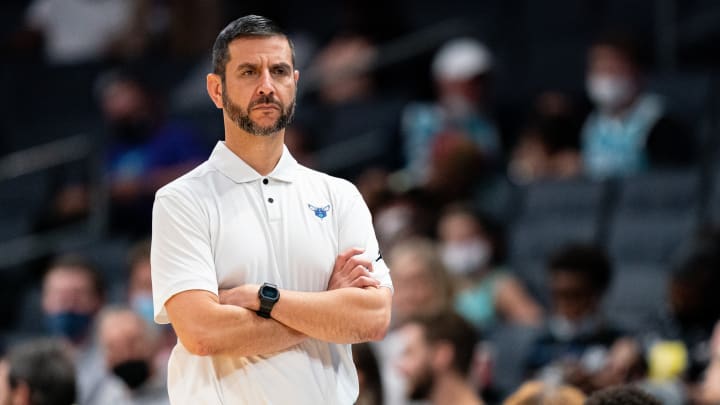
(320, 212)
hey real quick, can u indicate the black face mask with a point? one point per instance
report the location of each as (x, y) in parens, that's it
(133, 372)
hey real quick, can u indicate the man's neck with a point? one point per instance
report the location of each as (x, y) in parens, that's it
(451, 388)
(262, 153)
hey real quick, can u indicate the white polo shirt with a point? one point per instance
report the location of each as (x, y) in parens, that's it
(223, 225)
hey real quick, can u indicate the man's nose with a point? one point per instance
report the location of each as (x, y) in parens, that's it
(266, 86)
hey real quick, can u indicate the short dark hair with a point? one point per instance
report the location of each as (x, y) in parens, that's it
(585, 260)
(625, 43)
(448, 326)
(243, 27)
(80, 263)
(621, 395)
(46, 366)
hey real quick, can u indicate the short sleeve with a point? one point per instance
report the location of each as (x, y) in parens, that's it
(356, 230)
(181, 257)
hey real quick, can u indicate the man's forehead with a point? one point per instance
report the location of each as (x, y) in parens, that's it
(275, 49)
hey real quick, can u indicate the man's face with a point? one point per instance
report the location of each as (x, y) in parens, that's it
(414, 290)
(573, 296)
(123, 337)
(69, 290)
(258, 91)
(416, 362)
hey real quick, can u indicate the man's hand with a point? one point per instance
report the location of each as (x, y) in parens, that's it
(245, 296)
(351, 270)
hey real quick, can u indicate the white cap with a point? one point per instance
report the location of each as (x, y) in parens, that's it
(461, 59)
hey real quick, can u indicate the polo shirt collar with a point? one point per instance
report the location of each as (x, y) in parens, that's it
(229, 164)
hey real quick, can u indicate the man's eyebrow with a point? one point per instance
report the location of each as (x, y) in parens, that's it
(282, 65)
(246, 65)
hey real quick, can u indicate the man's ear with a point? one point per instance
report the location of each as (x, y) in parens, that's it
(21, 394)
(214, 89)
(296, 74)
(443, 355)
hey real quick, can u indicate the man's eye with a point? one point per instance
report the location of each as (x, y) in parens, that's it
(247, 72)
(280, 71)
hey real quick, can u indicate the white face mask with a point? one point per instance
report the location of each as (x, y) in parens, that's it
(564, 329)
(462, 258)
(609, 91)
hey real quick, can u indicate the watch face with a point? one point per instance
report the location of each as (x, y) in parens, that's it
(269, 292)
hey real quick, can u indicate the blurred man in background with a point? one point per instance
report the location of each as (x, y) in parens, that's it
(38, 372)
(454, 136)
(72, 295)
(129, 344)
(437, 359)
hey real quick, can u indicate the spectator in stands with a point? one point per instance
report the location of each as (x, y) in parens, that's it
(371, 392)
(472, 248)
(549, 144)
(129, 344)
(38, 372)
(141, 301)
(678, 343)
(76, 31)
(625, 395)
(542, 393)
(422, 288)
(629, 130)
(454, 136)
(146, 150)
(578, 345)
(438, 358)
(72, 295)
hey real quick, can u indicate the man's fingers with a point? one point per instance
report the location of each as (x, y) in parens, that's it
(365, 281)
(359, 271)
(357, 261)
(344, 256)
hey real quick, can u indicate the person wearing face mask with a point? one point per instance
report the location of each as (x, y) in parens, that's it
(471, 248)
(629, 130)
(578, 345)
(72, 295)
(454, 134)
(128, 344)
(145, 150)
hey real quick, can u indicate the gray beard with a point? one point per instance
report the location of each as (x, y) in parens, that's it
(242, 119)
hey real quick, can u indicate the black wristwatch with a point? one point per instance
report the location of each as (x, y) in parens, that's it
(269, 295)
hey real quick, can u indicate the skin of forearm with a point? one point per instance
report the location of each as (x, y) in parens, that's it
(345, 315)
(210, 328)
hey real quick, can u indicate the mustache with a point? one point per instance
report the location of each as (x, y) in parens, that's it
(267, 99)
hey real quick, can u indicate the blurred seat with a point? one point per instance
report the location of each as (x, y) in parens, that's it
(579, 198)
(535, 240)
(511, 345)
(533, 275)
(656, 192)
(649, 238)
(637, 293)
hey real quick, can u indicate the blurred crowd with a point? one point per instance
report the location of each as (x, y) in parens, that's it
(558, 249)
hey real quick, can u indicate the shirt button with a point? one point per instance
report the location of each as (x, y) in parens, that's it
(270, 200)
(265, 181)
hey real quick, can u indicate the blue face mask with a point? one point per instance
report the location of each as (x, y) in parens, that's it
(71, 325)
(142, 304)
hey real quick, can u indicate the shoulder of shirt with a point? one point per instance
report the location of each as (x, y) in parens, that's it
(335, 184)
(194, 180)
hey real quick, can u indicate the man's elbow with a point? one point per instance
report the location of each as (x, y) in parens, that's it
(198, 344)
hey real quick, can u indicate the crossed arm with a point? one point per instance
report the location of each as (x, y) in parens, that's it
(353, 309)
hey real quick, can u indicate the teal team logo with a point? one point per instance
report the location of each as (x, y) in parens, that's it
(320, 212)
